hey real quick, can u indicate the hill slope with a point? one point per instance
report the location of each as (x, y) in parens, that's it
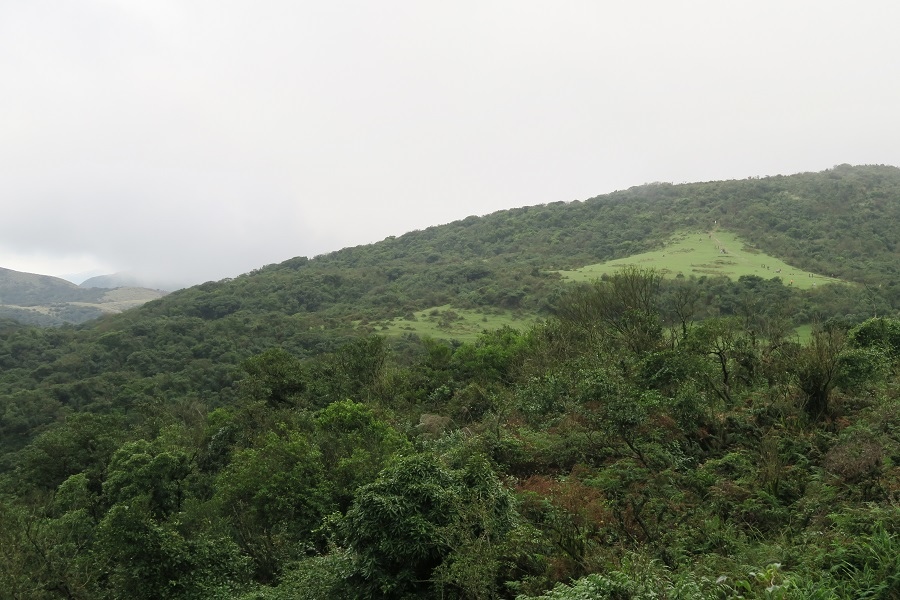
(28, 289)
(844, 221)
(50, 301)
(117, 280)
(651, 438)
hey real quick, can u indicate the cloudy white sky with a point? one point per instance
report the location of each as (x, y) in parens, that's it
(200, 139)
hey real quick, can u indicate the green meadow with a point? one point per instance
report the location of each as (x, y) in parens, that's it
(712, 253)
(445, 322)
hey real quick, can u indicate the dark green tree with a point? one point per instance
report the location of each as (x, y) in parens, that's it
(274, 496)
(817, 370)
(428, 529)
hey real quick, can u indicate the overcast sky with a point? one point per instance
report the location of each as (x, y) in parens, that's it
(200, 139)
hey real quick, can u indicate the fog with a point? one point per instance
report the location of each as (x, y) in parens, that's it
(193, 140)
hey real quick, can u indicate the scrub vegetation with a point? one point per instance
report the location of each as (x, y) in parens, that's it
(452, 414)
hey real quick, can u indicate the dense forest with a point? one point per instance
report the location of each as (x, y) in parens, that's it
(648, 437)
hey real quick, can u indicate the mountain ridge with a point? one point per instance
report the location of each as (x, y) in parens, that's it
(45, 300)
(132, 280)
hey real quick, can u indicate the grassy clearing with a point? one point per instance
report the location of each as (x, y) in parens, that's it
(122, 299)
(445, 322)
(712, 253)
(804, 333)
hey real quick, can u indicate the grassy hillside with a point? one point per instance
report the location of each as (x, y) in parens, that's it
(716, 253)
(49, 301)
(445, 322)
(128, 280)
(27, 289)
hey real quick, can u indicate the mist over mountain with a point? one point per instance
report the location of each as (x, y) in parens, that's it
(127, 279)
(78, 278)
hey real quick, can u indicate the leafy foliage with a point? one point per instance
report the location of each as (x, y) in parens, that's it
(647, 438)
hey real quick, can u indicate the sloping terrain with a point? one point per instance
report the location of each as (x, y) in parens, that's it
(842, 223)
(716, 253)
(636, 436)
(28, 289)
(49, 301)
(119, 280)
(503, 267)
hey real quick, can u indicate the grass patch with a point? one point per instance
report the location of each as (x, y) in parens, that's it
(446, 322)
(804, 333)
(121, 299)
(712, 253)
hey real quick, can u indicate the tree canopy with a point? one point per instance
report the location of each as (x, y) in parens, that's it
(644, 438)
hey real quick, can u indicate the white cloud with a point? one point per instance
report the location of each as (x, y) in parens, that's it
(210, 138)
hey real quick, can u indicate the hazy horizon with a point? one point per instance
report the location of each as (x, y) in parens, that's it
(192, 141)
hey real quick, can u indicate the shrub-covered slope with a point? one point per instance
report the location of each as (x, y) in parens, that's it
(647, 439)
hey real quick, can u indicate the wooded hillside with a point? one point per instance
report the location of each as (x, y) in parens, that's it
(647, 438)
